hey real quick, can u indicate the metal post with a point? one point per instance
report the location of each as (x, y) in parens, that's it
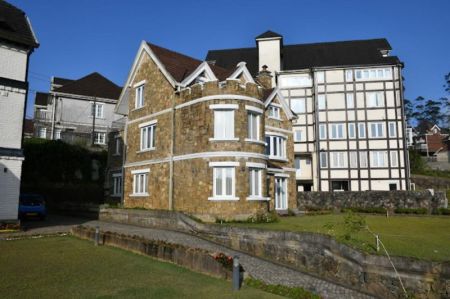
(377, 239)
(97, 235)
(236, 274)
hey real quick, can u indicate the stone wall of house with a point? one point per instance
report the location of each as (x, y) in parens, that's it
(370, 199)
(314, 253)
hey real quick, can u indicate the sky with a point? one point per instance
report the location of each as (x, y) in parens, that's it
(78, 37)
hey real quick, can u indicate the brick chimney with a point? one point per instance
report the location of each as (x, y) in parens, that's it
(264, 77)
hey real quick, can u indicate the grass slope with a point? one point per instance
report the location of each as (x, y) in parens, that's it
(65, 267)
(426, 237)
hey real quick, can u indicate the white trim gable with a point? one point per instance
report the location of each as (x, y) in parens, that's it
(242, 70)
(284, 105)
(203, 68)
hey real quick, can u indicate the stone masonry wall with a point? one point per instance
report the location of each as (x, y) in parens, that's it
(385, 199)
(314, 253)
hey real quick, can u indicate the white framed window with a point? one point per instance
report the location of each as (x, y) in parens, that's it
(362, 130)
(323, 160)
(338, 160)
(322, 100)
(298, 105)
(255, 182)
(274, 112)
(378, 159)
(295, 81)
(140, 181)
(99, 138)
(148, 133)
(42, 133)
(322, 131)
(276, 146)
(58, 134)
(375, 99)
(363, 159)
(348, 75)
(297, 164)
(224, 124)
(97, 110)
(377, 130)
(394, 158)
(298, 135)
(373, 74)
(320, 77)
(117, 145)
(353, 159)
(337, 131)
(392, 129)
(223, 181)
(117, 184)
(351, 131)
(349, 97)
(139, 98)
(253, 125)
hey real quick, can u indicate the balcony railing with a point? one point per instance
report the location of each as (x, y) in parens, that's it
(42, 115)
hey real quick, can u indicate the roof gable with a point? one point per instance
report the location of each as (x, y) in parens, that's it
(242, 70)
(269, 34)
(274, 93)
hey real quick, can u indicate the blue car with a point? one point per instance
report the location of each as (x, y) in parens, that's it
(32, 205)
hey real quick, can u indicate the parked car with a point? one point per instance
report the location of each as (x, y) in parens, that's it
(32, 205)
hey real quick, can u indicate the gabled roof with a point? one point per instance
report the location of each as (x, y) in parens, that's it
(15, 26)
(92, 85)
(41, 98)
(61, 81)
(270, 94)
(269, 34)
(304, 56)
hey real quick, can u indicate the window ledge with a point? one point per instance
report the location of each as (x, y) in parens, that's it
(223, 198)
(278, 158)
(139, 195)
(258, 198)
(146, 150)
(275, 118)
(255, 141)
(221, 140)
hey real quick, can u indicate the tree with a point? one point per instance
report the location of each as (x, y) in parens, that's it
(409, 111)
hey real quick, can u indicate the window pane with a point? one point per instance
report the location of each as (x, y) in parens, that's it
(297, 163)
(229, 181)
(351, 130)
(323, 160)
(350, 101)
(218, 174)
(298, 105)
(322, 101)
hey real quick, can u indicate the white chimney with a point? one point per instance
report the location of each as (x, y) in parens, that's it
(269, 51)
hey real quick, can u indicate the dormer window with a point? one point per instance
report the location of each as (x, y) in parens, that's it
(274, 111)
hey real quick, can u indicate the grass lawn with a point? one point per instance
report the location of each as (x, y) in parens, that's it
(66, 267)
(424, 237)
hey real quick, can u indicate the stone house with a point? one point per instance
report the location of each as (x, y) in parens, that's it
(213, 142)
(17, 43)
(348, 95)
(77, 111)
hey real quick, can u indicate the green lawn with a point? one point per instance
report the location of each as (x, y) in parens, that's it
(424, 237)
(66, 267)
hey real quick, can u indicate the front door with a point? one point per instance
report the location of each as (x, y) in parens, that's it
(281, 194)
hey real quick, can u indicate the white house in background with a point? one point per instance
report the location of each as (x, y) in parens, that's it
(77, 111)
(350, 132)
(17, 42)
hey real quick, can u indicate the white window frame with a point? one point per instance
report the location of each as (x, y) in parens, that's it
(380, 130)
(348, 75)
(394, 158)
(140, 182)
(375, 99)
(362, 130)
(350, 100)
(392, 129)
(298, 134)
(139, 96)
(117, 145)
(221, 168)
(97, 110)
(338, 159)
(58, 133)
(301, 104)
(222, 125)
(255, 190)
(253, 124)
(363, 159)
(337, 131)
(322, 102)
(100, 138)
(351, 130)
(42, 133)
(276, 144)
(274, 111)
(323, 160)
(320, 77)
(373, 74)
(148, 136)
(117, 184)
(295, 81)
(322, 131)
(378, 159)
(353, 159)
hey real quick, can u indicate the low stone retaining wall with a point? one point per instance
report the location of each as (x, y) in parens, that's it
(313, 253)
(389, 200)
(427, 182)
(197, 260)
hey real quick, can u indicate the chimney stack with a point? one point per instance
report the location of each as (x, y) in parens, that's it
(264, 77)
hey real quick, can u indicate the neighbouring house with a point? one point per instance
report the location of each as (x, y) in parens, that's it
(77, 111)
(348, 95)
(17, 43)
(433, 142)
(28, 128)
(210, 141)
(114, 170)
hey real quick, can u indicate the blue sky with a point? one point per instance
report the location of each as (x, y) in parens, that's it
(82, 36)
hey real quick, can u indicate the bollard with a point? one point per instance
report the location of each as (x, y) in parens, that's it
(377, 239)
(236, 274)
(97, 235)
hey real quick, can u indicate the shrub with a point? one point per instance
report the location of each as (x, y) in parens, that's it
(443, 211)
(295, 292)
(353, 223)
(370, 210)
(418, 211)
(317, 211)
(268, 217)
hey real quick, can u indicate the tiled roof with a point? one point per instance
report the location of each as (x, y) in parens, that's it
(15, 27)
(61, 81)
(303, 56)
(41, 98)
(180, 66)
(92, 85)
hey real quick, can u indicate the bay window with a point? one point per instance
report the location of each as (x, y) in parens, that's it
(276, 146)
